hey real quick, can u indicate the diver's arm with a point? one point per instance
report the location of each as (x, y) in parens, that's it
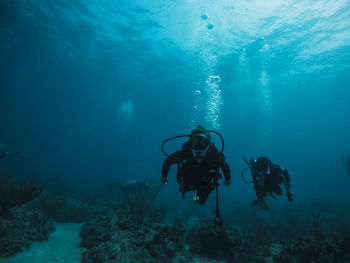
(286, 177)
(226, 171)
(175, 157)
(286, 182)
(225, 168)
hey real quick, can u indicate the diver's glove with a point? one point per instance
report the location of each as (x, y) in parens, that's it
(164, 180)
(289, 196)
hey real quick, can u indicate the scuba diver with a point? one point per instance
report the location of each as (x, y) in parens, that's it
(198, 164)
(198, 167)
(5, 154)
(267, 178)
(346, 163)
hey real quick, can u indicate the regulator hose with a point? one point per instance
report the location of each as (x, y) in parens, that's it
(189, 135)
(169, 139)
(242, 176)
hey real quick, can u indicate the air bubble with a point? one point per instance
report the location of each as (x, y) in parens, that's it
(205, 16)
(210, 26)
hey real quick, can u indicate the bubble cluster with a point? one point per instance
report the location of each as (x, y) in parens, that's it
(206, 17)
(213, 80)
(214, 103)
(197, 95)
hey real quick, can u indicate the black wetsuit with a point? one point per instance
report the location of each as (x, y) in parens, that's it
(192, 175)
(272, 181)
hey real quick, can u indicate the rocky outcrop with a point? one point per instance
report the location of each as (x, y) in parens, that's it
(64, 209)
(311, 250)
(25, 226)
(120, 239)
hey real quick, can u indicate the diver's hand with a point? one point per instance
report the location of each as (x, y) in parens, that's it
(227, 182)
(164, 180)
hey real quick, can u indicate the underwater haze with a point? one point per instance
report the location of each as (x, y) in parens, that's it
(90, 89)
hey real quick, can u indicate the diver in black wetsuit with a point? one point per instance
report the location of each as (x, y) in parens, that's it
(198, 164)
(267, 178)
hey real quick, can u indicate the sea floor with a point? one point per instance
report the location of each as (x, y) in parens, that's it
(62, 247)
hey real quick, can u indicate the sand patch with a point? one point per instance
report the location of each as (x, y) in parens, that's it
(62, 247)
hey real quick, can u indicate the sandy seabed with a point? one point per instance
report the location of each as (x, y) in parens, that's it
(62, 247)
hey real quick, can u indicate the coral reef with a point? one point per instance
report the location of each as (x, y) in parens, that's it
(64, 209)
(111, 253)
(119, 238)
(122, 239)
(99, 230)
(26, 225)
(310, 249)
(134, 229)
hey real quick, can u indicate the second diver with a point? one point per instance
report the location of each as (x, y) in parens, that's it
(267, 178)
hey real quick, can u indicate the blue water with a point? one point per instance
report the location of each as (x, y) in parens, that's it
(90, 89)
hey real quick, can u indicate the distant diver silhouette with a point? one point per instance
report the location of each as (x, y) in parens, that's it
(9, 155)
(267, 178)
(135, 185)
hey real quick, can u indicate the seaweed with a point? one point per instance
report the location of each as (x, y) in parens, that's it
(140, 202)
(179, 230)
